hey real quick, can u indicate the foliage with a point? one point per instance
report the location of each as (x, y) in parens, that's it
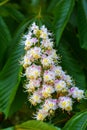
(79, 121)
(37, 125)
(68, 20)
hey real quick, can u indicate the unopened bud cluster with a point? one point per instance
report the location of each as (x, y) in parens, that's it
(48, 86)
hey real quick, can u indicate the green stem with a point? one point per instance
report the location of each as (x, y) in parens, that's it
(4, 2)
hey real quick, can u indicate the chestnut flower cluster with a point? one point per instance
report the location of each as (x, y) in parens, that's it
(47, 84)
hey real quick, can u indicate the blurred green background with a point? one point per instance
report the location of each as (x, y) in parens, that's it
(67, 19)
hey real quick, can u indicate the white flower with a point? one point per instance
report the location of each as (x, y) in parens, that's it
(35, 98)
(33, 72)
(47, 84)
(54, 54)
(44, 33)
(47, 43)
(34, 27)
(44, 29)
(76, 93)
(34, 40)
(58, 70)
(41, 115)
(49, 76)
(28, 36)
(65, 103)
(68, 79)
(47, 61)
(50, 104)
(30, 87)
(26, 61)
(47, 90)
(30, 42)
(60, 85)
(34, 53)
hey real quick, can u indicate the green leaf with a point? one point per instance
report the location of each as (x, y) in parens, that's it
(35, 2)
(82, 23)
(5, 38)
(62, 13)
(35, 125)
(11, 128)
(71, 37)
(11, 11)
(71, 64)
(18, 101)
(52, 5)
(82, 105)
(10, 75)
(77, 122)
(3, 2)
(14, 12)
